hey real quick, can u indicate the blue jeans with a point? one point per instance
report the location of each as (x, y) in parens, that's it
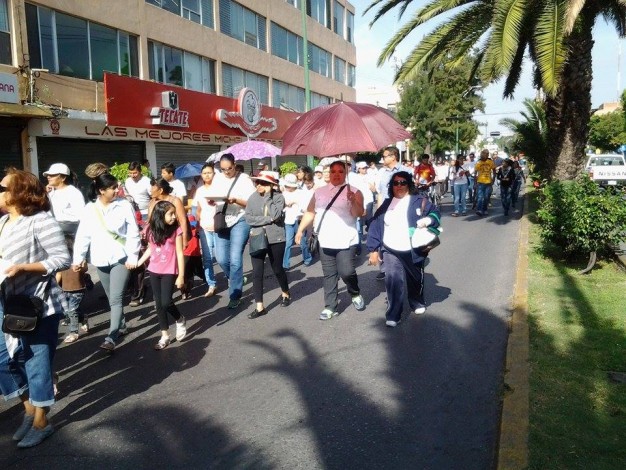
(113, 279)
(207, 245)
(459, 191)
(482, 197)
(30, 369)
(471, 181)
(73, 301)
(290, 235)
(229, 247)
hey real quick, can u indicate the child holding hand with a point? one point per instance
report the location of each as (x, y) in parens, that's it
(167, 268)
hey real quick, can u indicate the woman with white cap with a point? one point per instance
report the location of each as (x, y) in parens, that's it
(264, 213)
(66, 200)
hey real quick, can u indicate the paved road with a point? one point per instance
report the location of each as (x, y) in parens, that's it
(290, 391)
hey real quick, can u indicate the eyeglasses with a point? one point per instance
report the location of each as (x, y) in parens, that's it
(387, 156)
(400, 183)
(263, 183)
(226, 170)
(3, 189)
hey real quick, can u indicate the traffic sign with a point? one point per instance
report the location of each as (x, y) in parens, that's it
(495, 134)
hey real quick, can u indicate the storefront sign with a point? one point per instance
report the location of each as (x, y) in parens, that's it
(248, 117)
(8, 88)
(159, 109)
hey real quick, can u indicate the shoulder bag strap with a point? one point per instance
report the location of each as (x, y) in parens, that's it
(328, 207)
(115, 236)
(228, 193)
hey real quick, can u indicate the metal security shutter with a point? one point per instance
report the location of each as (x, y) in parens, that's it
(10, 143)
(179, 154)
(78, 153)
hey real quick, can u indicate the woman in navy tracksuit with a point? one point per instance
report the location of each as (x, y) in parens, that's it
(402, 212)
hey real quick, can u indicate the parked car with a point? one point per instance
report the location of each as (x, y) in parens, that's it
(607, 169)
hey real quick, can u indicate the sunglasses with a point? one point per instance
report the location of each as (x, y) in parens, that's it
(400, 183)
(226, 170)
(263, 183)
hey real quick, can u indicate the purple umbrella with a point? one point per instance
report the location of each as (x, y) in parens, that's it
(248, 150)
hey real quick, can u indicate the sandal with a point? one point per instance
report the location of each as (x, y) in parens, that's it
(211, 291)
(163, 343)
(71, 338)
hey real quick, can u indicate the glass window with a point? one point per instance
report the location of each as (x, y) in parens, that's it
(207, 12)
(72, 46)
(319, 60)
(318, 100)
(169, 5)
(193, 72)
(351, 75)
(350, 27)
(5, 34)
(104, 54)
(286, 45)
(338, 18)
(340, 70)
(75, 47)
(316, 9)
(208, 78)
(242, 24)
(191, 10)
(286, 96)
(234, 79)
(173, 61)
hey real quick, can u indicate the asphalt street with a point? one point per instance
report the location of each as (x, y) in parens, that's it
(290, 391)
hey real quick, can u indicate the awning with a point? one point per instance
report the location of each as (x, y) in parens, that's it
(23, 110)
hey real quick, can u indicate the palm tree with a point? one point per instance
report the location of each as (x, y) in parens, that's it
(556, 34)
(531, 135)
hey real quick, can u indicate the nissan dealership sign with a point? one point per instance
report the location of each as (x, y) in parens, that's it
(8, 88)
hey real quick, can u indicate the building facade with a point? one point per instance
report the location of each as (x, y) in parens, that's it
(122, 80)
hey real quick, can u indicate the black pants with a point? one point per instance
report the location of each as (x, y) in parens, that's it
(162, 289)
(336, 264)
(275, 253)
(193, 267)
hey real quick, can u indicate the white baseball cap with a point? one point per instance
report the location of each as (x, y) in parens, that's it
(290, 181)
(58, 169)
(361, 164)
(319, 168)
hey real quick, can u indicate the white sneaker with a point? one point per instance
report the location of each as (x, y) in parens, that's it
(391, 323)
(181, 329)
(420, 310)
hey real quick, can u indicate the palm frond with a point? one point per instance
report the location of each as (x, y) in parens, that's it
(515, 71)
(574, 8)
(616, 13)
(507, 24)
(549, 48)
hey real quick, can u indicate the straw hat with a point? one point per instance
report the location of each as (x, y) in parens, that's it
(267, 176)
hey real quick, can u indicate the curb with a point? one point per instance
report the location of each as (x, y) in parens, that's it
(514, 420)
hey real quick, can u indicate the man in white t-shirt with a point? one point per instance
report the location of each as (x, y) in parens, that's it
(178, 187)
(138, 187)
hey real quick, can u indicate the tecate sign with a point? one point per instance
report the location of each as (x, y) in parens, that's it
(8, 88)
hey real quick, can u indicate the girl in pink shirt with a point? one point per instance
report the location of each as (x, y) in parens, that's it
(167, 267)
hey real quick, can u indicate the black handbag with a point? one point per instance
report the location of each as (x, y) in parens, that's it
(313, 241)
(219, 219)
(22, 312)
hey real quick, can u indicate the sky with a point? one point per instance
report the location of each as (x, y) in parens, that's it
(369, 77)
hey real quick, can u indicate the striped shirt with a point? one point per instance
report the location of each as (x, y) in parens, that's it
(36, 239)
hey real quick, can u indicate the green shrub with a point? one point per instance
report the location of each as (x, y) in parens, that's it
(580, 217)
(120, 171)
(287, 167)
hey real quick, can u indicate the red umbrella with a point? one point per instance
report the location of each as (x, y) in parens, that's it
(342, 128)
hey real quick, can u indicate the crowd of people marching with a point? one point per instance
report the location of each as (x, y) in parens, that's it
(148, 228)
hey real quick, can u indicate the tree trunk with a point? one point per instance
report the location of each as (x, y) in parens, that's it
(568, 112)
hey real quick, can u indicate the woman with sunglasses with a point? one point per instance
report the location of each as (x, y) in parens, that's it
(230, 243)
(264, 213)
(389, 238)
(32, 244)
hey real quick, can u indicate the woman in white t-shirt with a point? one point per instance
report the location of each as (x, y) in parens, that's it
(458, 178)
(204, 214)
(66, 200)
(230, 243)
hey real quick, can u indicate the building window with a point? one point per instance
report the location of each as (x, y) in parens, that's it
(286, 44)
(286, 96)
(243, 24)
(319, 60)
(351, 75)
(318, 10)
(173, 66)
(198, 11)
(318, 100)
(234, 79)
(295, 3)
(340, 70)
(350, 27)
(74, 47)
(338, 12)
(5, 34)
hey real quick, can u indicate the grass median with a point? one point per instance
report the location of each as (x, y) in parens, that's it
(577, 344)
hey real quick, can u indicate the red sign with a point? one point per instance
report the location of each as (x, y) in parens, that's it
(131, 102)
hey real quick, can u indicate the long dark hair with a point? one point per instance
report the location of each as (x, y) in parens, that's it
(406, 176)
(159, 231)
(161, 183)
(103, 181)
